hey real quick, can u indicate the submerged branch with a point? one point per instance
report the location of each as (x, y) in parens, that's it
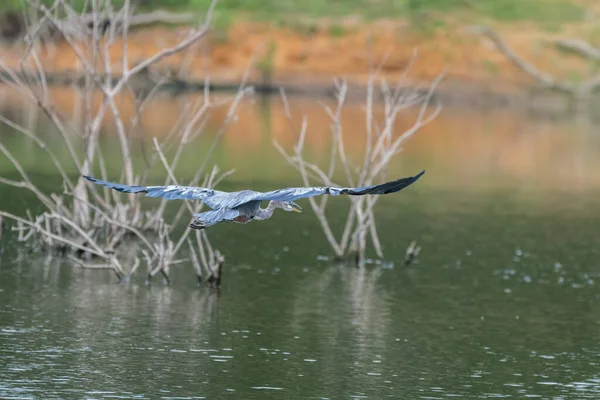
(82, 218)
(38, 227)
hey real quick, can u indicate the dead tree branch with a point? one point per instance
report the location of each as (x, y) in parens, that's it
(545, 80)
(382, 144)
(580, 47)
(86, 222)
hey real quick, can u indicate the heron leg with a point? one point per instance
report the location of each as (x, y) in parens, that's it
(209, 218)
(242, 219)
(197, 224)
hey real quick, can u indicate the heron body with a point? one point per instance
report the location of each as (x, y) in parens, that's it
(244, 206)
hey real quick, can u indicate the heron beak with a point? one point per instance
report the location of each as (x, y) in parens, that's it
(296, 207)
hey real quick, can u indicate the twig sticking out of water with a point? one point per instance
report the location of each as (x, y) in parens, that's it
(412, 252)
(213, 266)
(204, 246)
(382, 144)
(87, 265)
(217, 269)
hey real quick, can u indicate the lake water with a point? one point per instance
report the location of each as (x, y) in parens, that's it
(502, 303)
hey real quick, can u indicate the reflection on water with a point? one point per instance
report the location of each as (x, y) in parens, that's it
(485, 149)
(310, 331)
(503, 300)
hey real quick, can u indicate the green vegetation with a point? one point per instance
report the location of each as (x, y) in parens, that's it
(506, 10)
(302, 27)
(509, 10)
(490, 67)
(594, 37)
(266, 64)
(575, 77)
(543, 11)
(336, 30)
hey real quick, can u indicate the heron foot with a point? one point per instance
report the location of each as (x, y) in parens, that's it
(197, 225)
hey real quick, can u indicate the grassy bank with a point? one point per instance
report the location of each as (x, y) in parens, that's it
(539, 10)
(420, 16)
(311, 41)
(505, 10)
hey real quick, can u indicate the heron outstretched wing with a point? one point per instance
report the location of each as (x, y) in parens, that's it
(232, 200)
(216, 199)
(171, 192)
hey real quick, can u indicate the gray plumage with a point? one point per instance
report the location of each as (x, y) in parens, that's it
(244, 206)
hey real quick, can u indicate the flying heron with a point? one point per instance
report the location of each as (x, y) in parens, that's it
(244, 206)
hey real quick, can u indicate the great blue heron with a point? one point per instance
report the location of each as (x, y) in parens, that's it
(244, 206)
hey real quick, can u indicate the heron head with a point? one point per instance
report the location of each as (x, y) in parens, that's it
(290, 206)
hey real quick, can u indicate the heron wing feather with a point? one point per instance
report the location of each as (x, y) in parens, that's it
(216, 199)
(171, 192)
(236, 199)
(292, 194)
(383, 188)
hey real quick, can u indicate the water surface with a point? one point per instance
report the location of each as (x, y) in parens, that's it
(502, 303)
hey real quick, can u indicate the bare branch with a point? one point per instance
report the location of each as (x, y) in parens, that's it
(27, 182)
(579, 46)
(381, 145)
(544, 79)
(51, 235)
(193, 37)
(93, 224)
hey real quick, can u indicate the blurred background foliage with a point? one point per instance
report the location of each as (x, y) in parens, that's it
(508, 10)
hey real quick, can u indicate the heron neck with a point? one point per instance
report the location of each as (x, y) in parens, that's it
(265, 213)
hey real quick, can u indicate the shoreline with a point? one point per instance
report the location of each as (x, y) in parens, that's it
(476, 75)
(453, 95)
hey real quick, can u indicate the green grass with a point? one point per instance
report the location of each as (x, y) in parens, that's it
(504, 10)
(542, 11)
(304, 28)
(337, 30)
(508, 10)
